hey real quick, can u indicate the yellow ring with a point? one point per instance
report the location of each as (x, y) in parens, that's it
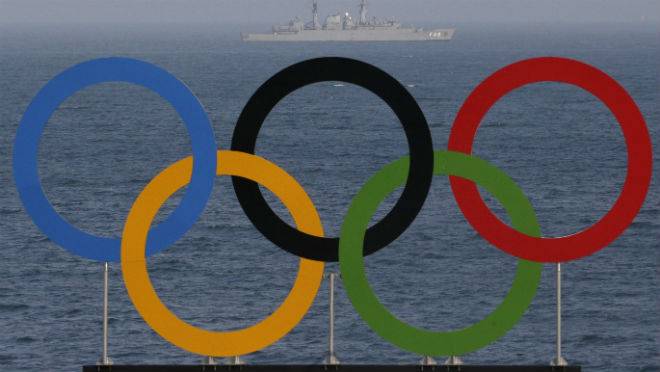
(160, 318)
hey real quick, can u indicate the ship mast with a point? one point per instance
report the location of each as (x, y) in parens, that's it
(315, 15)
(363, 12)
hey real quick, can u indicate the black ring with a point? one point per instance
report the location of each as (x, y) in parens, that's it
(397, 98)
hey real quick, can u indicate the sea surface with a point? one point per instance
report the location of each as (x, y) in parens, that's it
(103, 145)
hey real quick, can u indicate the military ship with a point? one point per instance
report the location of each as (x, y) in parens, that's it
(342, 27)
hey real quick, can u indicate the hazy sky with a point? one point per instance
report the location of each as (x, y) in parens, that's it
(275, 11)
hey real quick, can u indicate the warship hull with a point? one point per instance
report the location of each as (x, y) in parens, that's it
(399, 34)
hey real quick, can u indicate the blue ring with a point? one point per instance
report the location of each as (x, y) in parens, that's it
(69, 82)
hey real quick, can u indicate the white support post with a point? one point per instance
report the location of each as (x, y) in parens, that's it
(331, 358)
(428, 361)
(235, 361)
(105, 359)
(559, 360)
(453, 361)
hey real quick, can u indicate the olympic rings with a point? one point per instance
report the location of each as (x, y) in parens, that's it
(397, 98)
(66, 84)
(356, 240)
(168, 325)
(638, 142)
(364, 300)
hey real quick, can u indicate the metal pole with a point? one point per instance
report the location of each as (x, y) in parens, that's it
(105, 359)
(331, 358)
(331, 341)
(559, 360)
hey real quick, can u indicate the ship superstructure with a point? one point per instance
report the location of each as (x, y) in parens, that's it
(342, 27)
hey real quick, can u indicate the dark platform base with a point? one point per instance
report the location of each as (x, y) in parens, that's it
(322, 368)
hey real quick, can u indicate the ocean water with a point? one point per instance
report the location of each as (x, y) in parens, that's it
(560, 144)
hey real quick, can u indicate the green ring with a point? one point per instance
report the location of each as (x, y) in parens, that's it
(403, 335)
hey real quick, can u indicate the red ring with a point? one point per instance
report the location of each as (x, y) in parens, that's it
(638, 144)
